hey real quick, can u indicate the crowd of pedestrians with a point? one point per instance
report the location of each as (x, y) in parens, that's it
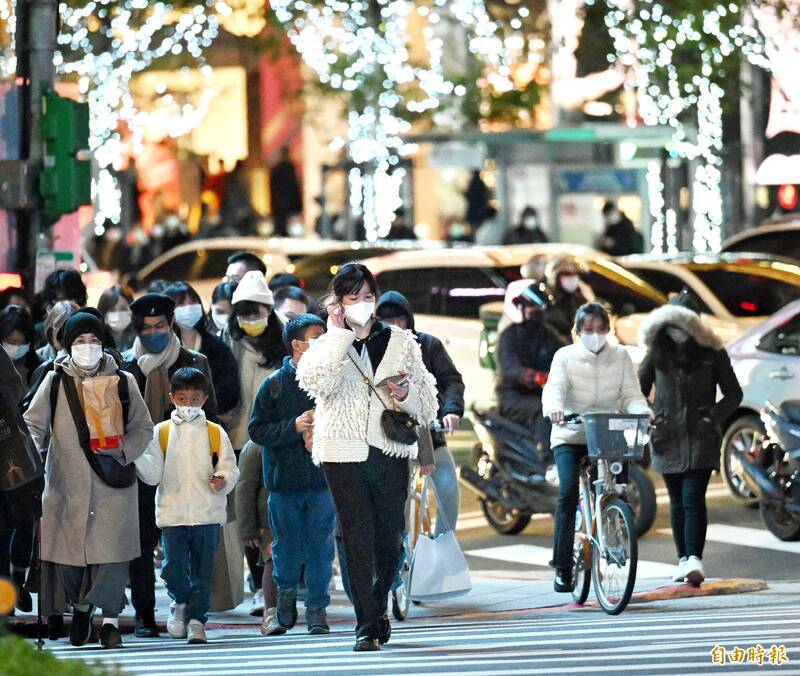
(263, 427)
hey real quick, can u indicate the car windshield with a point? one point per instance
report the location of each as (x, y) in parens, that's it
(745, 294)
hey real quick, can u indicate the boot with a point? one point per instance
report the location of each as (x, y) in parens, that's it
(80, 631)
(24, 600)
(110, 638)
(145, 626)
(287, 608)
(269, 623)
(317, 621)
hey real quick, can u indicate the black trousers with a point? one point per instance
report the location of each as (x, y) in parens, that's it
(19, 510)
(370, 499)
(141, 570)
(687, 508)
(568, 457)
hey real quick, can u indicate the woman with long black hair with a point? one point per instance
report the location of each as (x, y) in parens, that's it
(367, 470)
(255, 335)
(18, 337)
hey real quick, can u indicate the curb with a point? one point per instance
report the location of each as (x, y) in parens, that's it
(716, 587)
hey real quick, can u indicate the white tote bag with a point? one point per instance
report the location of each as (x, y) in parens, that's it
(438, 568)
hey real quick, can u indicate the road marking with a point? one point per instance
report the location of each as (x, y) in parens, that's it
(540, 556)
(749, 537)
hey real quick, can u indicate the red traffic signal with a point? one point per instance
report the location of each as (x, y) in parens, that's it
(787, 196)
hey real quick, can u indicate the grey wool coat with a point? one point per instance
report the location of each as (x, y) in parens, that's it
(85, 521)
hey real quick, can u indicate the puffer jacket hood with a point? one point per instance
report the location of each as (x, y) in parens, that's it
(398, 300)
(683, 318)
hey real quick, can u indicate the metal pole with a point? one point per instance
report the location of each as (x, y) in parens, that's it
(37, 22)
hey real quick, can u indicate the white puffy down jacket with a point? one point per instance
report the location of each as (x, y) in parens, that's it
(582, 382)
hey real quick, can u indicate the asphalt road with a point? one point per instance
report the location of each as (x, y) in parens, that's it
(738, 543)
(643, 642)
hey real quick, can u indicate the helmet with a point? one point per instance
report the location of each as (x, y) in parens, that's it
(535, 295)
(563, 264)
(535, 268)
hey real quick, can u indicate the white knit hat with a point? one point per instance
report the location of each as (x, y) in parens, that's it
(253, 287)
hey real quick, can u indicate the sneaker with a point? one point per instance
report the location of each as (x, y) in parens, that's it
(680, 570)
(287, 608)
(366, 644)
(81, 628)
(176, 622)
(110, 638)
(257, 604)
(563, 580)
(269, 623)
(384, 629)
(196, 633)
(317, 621)
(145, 626)
(694, 571)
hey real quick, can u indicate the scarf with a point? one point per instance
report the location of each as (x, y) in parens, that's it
(155, 366)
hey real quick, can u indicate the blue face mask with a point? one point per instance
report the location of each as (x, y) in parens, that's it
(155, 342)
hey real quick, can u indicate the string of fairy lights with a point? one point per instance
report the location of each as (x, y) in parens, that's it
(649, 40)
(353, 51)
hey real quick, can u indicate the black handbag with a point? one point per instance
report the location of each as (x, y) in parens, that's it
(397, 425)
(110, 471)
(20, 461)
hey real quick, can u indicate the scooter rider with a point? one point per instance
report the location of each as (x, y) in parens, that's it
(524, 354)
(394, 308)
(563, 278)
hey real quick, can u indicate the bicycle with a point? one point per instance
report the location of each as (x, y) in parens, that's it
(401, 599)
(605, 549)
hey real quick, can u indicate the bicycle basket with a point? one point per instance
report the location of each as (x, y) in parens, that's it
(614, 436)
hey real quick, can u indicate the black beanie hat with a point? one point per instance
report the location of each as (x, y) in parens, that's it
(78, 324)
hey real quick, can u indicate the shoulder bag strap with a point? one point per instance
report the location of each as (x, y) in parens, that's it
(367, 380)
(79, 419)
(54, 385)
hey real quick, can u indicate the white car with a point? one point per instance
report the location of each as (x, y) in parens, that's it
(448, 287)
(203, 262)
(767, 363)
(735, 292)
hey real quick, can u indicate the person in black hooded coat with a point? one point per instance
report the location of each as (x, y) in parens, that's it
(393, 308)
(686, 363)
(524, 354)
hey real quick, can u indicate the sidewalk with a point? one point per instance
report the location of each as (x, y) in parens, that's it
(492, 592)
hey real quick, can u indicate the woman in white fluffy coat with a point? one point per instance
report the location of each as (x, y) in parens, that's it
(367, 472)
(588, 376)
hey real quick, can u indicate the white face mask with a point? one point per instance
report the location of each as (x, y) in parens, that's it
(594, 342)
(87, 355)
(187, 316)
(569, 283)
(189, 413)
(530, 222)
(15, 352)
(360, 313)
(220, 319)
(677, 335)
(119, 321)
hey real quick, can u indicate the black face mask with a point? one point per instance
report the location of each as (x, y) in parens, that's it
(535, 318)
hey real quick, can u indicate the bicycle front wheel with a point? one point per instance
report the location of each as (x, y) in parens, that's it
(581, 569)
(614, 558)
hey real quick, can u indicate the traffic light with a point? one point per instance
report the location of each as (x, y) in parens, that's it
(65, 182)
(787, 197)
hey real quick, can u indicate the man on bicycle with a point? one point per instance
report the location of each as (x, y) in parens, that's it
(592, 375)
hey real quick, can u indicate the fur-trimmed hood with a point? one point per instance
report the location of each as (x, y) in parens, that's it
(683, 318)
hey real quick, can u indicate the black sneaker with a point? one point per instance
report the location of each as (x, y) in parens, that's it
(110, 637)
(24, 601)
(563, 581)
(366, 644)
(145, 626)
(287, 608)
(80, 630)
(384, 629)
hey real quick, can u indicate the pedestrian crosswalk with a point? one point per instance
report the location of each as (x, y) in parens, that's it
(543, 643)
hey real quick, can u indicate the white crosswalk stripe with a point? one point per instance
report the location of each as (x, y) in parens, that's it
(584, 642)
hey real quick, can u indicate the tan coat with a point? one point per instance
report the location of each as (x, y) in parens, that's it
(85, 521)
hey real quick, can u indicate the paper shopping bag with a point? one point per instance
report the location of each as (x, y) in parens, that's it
(103, 410)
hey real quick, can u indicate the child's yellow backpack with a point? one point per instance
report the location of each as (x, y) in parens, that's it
(214, 435)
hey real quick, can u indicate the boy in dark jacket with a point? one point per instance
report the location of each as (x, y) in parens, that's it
(301, 512)
(394, 308)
